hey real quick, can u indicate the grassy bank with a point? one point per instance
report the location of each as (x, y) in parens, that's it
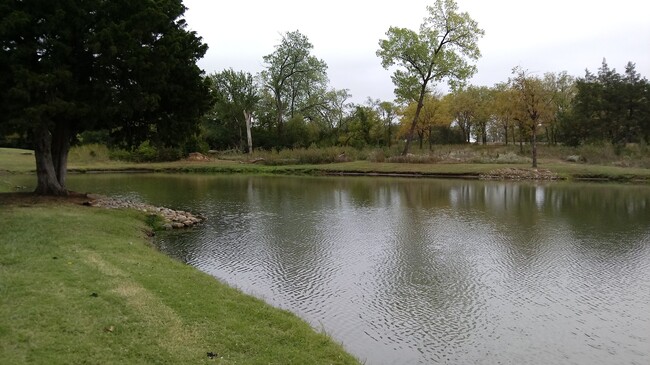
(83, 285)
(463, 161)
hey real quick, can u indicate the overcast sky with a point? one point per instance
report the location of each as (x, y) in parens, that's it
(540, 36)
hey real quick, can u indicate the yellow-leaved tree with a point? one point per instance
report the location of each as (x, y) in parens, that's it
(533, 105)
(434, 112)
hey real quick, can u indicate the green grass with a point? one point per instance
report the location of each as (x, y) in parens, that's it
(447, 161)
(15, 160)
(82, 285)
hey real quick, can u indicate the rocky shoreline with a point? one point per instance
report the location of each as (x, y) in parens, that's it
(173, 219)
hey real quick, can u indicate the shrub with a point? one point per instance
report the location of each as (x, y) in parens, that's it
(146, 153)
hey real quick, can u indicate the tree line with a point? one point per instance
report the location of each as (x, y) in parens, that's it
(124, 73)
(293, 106)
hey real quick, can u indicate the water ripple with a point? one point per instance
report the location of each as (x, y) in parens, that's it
(422, 272)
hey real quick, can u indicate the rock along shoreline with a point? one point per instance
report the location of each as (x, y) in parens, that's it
(173, 219)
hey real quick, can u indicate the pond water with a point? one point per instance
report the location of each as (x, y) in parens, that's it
(426, 271)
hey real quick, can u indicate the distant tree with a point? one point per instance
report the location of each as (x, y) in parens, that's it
(533, 103)
(562, 88)
(363, 128)
(236, 98)
(504, 110)
(442, 49)
(484, 113)
(387, 113)
(434, 114)
(126, 66)
(636, 106)
(331, 114)
(293, 77)
(609, 107)
(463, 105)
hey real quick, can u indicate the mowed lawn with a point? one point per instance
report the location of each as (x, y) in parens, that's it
(83, 285)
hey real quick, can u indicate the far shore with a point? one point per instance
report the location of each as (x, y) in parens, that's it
(14, 161)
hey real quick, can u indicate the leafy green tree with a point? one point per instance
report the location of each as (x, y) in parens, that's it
(363, 128)
(236, 98)
(69, 66)
(294, 78)
(442, 49)
(332, 114)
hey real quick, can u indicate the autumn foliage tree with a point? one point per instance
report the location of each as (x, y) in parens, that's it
(434, 114)
(533, 103)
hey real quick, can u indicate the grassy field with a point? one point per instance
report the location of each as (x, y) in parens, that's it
(464, 161)
(82, 285)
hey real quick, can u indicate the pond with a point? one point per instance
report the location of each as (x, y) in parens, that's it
(426, 271)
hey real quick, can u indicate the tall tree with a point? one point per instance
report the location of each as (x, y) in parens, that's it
(236, 98)
(534, 104)
(69, 66)
(293, 77)
(442, 49)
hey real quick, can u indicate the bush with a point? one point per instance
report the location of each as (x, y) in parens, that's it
(146, 153)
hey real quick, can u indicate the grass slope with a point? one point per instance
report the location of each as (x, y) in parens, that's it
(82, 285)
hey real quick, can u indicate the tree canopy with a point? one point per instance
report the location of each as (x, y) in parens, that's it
(126, 66)
(442, 49)
(294, 77)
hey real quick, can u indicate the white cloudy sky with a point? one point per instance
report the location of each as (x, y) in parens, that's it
(540, 36)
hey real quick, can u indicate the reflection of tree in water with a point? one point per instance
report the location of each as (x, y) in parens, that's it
(421, 293)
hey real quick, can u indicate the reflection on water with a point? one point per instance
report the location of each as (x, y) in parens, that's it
(427, 271)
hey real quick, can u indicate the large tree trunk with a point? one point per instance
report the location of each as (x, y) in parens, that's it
(60, 151)
(47, 182)
(423, 91)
